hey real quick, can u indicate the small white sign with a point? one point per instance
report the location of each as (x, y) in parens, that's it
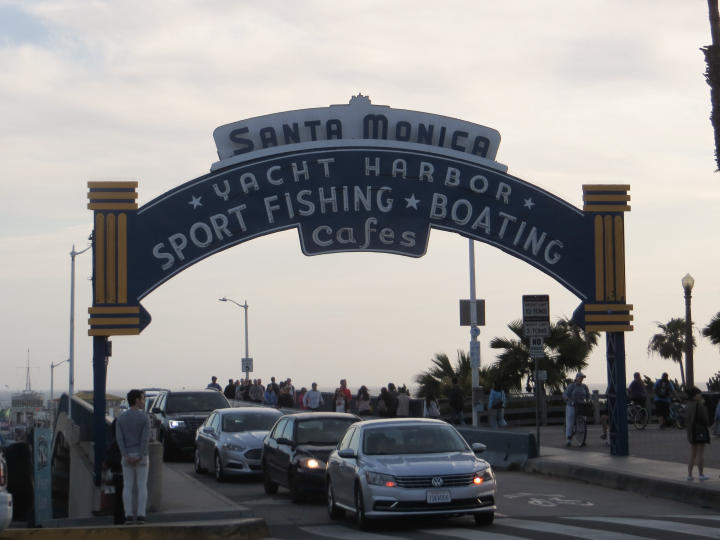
(247, 365)
(537, 347)
(536, 328)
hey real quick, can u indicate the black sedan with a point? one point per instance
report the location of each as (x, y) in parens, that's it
(296, 450)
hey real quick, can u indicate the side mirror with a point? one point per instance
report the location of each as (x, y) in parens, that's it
(155, 410)
(478, 448)
(208, 430)
(283, 440)
(347, 453)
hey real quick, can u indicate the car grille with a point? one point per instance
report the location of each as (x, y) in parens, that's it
(450, 480)
(254, 453)
(422, 506)
(193, 423)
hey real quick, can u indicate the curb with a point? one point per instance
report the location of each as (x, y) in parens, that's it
(240, 529)
(677, 490)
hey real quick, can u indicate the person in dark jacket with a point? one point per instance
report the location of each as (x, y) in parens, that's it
(113, 461)
(697, 421)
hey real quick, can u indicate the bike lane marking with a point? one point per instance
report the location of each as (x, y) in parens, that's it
(674, 526)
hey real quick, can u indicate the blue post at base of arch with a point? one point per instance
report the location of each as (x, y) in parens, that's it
(100, 347)
(616, 394)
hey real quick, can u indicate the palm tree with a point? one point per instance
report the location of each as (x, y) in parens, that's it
(712, 73)
(437, 380)
(669, 343)
(568, 348)
(712, 330)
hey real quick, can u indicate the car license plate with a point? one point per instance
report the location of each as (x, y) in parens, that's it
(436, 496)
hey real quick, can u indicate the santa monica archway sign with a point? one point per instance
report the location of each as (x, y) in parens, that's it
(356, 177)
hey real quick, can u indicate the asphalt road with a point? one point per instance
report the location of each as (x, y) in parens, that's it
(529, 506)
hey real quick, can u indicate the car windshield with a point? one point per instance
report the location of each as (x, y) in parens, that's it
(322, 431)
(236, 422)
(426, 439)
(202, 401)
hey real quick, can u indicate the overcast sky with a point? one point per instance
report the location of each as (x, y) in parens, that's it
(607, 91)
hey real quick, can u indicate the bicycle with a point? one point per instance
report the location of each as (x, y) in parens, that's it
(676, 415)
(638, 415)
(579, 428)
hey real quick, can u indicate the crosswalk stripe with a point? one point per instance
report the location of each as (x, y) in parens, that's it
(674, 526)
(470, 534)
(570, 530)
(338, 531)
(707, 517)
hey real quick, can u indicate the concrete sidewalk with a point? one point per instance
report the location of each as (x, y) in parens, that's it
(657, 464)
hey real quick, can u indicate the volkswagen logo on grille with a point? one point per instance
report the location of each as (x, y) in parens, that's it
(437, 481)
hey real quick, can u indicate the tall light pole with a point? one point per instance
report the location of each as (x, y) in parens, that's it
(474, 333)
(71, 357)
(247, 354)
(687, 282)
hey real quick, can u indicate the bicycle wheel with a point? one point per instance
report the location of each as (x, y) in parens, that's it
(641, 418)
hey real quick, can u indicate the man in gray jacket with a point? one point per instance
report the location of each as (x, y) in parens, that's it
(576, 393)
(133, 435)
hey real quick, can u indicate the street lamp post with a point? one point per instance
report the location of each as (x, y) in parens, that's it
(687, 282)
(247, 354)
(71, 357)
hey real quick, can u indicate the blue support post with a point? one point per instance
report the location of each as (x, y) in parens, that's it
(617, 400)
(100, 348)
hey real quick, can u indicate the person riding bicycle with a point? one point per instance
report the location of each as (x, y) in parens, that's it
(636, 390)
(576, 393)
(664, 392)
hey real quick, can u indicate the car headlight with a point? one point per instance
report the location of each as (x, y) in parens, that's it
(483, 476)
(233, 447)
(380, 479)
(176, 424)
(312, 463)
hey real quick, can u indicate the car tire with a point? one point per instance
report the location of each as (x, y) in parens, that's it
(295, 493)
(270, 486)
(198, 464)
(333, 511)
(361, 519)
(484, 518)
(219, 473)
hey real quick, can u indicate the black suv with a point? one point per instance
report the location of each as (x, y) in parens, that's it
(296, 450)
(177, 415)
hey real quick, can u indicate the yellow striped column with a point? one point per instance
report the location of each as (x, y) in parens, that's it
(110, 314)
(607, 203)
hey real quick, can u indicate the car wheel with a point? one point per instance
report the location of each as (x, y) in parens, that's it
(295, 493)
(219, 473)
(360, 518)
(484, 518)
(198, 463)
(270, 486)
(333, 511)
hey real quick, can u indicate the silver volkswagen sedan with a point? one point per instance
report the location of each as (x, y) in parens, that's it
(407, 467)
(230, 441)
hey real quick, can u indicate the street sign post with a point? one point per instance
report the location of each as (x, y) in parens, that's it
(466, 312)
(247, 366)
(536, 326)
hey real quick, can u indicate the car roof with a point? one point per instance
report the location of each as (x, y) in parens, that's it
(310, 415)
(250, 410)
(201, 391)
(395, 422)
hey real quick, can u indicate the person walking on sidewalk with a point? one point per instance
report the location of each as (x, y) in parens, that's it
(696, 422)
(133, 435)
(313, 399)
(575, 394)
(496, 406)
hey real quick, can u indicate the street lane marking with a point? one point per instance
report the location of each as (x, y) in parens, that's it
(338, 531)
(471, 534)
(674, 526)
(569, 530)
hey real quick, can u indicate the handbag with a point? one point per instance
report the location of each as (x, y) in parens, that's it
(700, 434)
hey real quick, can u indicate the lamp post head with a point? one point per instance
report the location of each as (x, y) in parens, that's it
(687, 282)
(223, 299)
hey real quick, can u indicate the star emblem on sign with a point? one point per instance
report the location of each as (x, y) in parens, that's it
(195, 202)
(412, 202)
(528, 203)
